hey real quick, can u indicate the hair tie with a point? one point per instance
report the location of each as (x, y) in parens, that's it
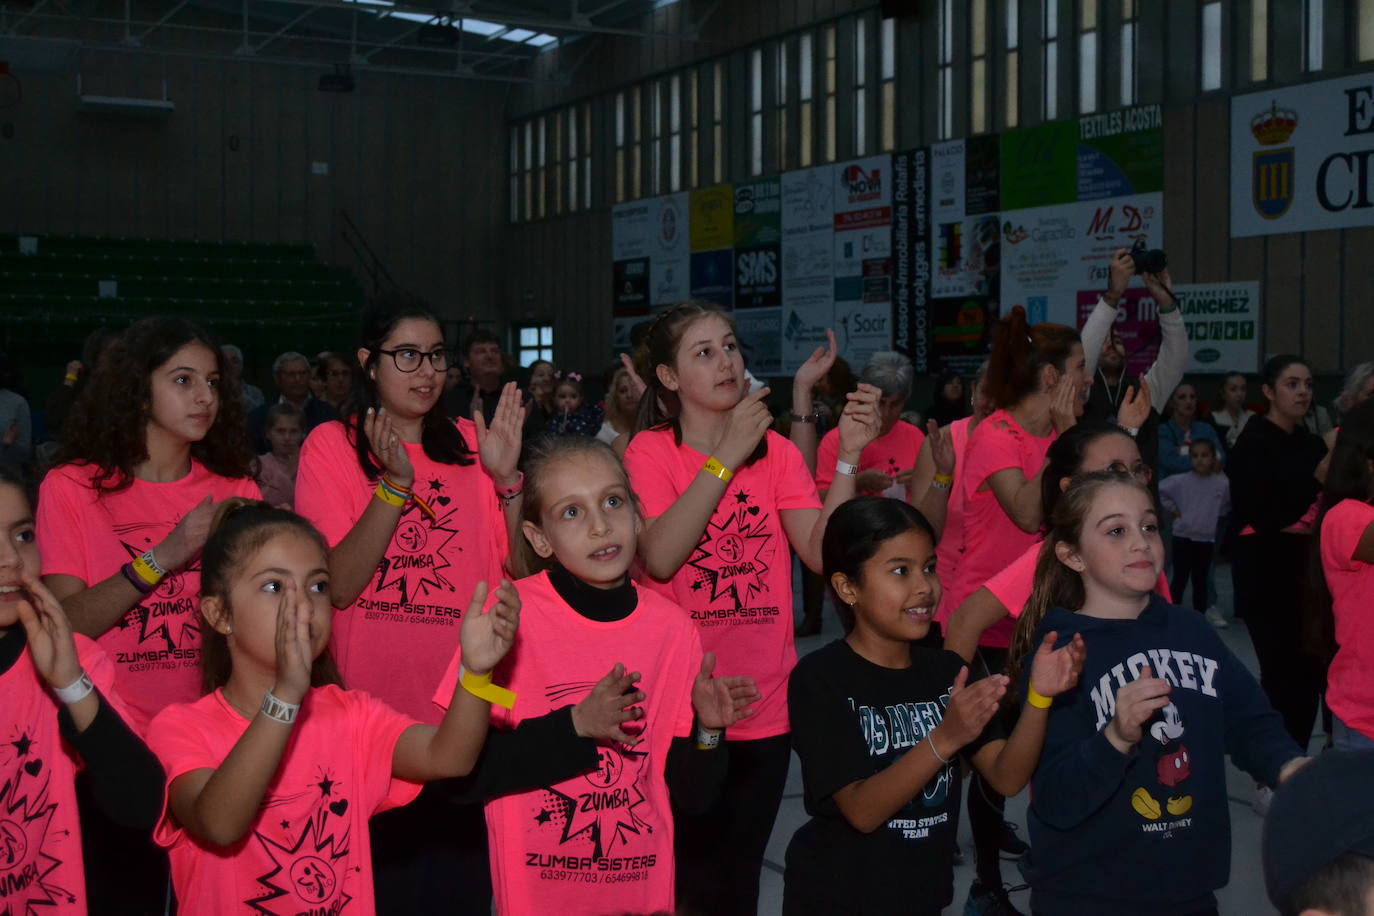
(575, 376)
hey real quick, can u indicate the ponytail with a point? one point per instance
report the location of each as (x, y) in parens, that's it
(1019, 351)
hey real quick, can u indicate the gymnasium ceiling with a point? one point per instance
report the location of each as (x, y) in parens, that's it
(494, 40)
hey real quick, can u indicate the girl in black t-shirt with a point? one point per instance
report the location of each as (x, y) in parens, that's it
(877, 722)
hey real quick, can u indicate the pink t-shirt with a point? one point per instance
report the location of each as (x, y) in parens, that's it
(397, 638)
(891, 454)
(949, 552)
(600, 842)
(277, 483)
(1012, 586)
(737, 583)
(1349, 686)
(308, 849)
(40, 834)
(991, 539)
(155, 647)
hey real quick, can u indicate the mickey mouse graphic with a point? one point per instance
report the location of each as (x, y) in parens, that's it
(1173, 766)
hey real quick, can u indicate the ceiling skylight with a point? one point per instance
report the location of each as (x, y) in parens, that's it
(472, 26)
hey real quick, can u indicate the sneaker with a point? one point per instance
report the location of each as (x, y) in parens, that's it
(1263, 796)
(986, 900)
(1011, 845)
(1215, 618)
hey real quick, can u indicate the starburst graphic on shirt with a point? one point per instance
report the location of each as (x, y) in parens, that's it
(308, 871)
(730, 558)
(166, 614)
(421, 565)
(26, 814)
(605, 812)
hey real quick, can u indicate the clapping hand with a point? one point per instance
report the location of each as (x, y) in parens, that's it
(499, 445)
(49, 633)
(613, 702)
(720, 702)
(486, 637)
(387, 448)
(1055, 671)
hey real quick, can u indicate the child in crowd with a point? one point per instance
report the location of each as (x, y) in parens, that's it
(1318, 841)
(59, 712)
(877, 722)
(273, 775)
(1196, 501)
(572, 415)
(151, 445)
(1129, 811)
(1345, 546)
(417, 509)
(277, 469)
(723, 499)
(581, 614)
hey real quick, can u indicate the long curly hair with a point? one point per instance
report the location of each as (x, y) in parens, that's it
(109, 421)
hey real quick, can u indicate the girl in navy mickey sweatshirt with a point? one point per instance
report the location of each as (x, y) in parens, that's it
(1128, 803)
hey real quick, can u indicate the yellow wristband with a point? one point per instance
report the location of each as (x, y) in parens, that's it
(480, 686)
(70, 377)
(944, 478)
(388, 497)
(1037, 700)
(145, 572)
(717, 469)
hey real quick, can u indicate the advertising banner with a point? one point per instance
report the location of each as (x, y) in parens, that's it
(1224, 327)
(758, 213)
(808, 273)
(760, 336)
(711, 214)
(863, 258)
(713, 277)
(911, 256)
(669, 267)
(1300, 157)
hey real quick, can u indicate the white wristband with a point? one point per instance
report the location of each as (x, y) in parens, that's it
(844, 467)
(76, 691)
(708, 739)
(279, 710)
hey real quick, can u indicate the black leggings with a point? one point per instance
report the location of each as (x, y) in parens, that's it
(431, 857)
(986, 806)
(1192, 560)
(720, 852)
(1267, 575)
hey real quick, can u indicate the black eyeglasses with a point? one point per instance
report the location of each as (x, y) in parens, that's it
(408, 359)
(1140, 470)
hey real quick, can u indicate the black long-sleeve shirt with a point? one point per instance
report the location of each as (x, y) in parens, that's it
(1271, 474)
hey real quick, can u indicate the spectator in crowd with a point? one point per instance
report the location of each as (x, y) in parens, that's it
(886, 463)
(573, 416)
(1181, 428)
(74, 381)
(337, 375)
(16, 423)
(485, 366)
(1231, 414)
(950, 401)
(1318, 840)
(1105, 350)
(1358, 387)
(291, 372)
(251, 395)
(1196, 501)
(1272, 471)
(539, 409)
(276, 474)
(621, 402)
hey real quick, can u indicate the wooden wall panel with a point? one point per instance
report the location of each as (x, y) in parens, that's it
(1283, 294)
(1179, 186)
(1210, 204)
(1321, 300)
(1356, 295)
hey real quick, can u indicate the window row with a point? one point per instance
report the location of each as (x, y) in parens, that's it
(834, 90)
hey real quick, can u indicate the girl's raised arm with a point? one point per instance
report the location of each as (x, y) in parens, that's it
(425, 753)
(354, 559)
(858, 426)
(219, 805)
(499, 448)
(1008, 765)
(669, 539)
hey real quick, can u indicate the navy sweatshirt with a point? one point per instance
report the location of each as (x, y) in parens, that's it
(1148, 831)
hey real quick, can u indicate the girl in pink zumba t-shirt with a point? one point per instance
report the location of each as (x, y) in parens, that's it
(601, 841)
(273, 775)
(416, 509)
(153, 443)
(1085, 448)
(1345, 543)
(58, 712)
(723, 498)
(1036, 378)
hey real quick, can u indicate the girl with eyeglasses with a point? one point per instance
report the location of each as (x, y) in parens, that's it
(416, 509)
(1085, 448)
